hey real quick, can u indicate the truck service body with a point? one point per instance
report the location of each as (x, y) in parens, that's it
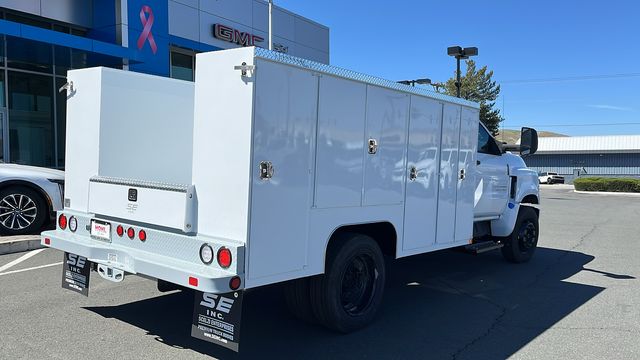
(272, 168)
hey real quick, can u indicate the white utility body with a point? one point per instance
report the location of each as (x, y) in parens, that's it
(278, 159)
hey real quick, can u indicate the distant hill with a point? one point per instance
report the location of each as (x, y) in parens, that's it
(511, 136)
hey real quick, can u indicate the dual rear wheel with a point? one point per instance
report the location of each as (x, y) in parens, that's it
(348, 295)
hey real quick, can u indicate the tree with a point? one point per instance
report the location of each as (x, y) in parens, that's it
(478, 86)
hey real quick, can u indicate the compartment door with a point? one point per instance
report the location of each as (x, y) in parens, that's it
(467, 156)
(421, 205)
(285, 113)
(448, 182)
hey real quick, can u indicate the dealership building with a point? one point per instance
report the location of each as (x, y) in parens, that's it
(40, 40)
(609, 156)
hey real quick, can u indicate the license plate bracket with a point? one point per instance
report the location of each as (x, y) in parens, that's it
(101, 230)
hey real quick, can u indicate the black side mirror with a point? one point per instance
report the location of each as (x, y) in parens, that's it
(528, 141)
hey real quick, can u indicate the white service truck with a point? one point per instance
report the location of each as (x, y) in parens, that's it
(272, 168)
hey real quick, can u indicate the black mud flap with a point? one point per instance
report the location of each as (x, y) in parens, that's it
(216, 318)
(76, 272)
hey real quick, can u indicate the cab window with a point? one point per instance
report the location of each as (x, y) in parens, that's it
(486, 144)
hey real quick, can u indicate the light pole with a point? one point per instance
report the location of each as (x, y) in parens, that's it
(270, 24)
(416, 81)
(460, 53)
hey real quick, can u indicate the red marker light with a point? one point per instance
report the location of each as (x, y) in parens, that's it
(131, 233)
(62, 221)
(142, 235)
(234, 283)
(193, 281)
(120, 230)
(47, 241)
(224, 257)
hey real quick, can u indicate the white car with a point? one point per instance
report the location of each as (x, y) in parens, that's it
(29, 198)
(550, 178)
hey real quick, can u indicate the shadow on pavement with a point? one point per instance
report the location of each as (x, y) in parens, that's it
(439, 305)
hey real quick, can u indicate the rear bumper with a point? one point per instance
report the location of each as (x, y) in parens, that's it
(210, 280)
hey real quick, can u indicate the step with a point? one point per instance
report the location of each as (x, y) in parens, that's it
(481, 247)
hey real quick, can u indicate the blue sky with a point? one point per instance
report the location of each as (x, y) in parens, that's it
(532, 40)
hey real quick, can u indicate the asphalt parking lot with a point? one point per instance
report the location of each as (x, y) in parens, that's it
(578, 298)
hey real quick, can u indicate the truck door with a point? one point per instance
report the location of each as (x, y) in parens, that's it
(492, 182)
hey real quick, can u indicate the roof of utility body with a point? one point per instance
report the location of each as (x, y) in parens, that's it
(356, 76)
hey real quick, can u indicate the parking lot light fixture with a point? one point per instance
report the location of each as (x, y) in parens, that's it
(460, 53)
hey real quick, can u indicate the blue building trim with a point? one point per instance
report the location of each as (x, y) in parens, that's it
(67, 40)
(190, 44)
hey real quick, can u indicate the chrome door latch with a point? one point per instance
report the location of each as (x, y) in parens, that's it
(413, 173)
(462, 174)
(266, 170)
(373, 146)
(244, 68)
(67, 86)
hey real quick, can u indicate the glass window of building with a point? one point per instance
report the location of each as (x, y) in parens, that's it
(182, 65)
(61, 123)
(29, 55)
(31, 128)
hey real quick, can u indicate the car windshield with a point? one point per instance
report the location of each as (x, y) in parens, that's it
(552, 173)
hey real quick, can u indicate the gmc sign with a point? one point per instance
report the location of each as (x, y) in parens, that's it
(225, 33)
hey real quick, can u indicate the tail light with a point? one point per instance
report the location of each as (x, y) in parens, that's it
(62, 221)
(142, 235)
(131, 233)
(120, 230)
(224, 257)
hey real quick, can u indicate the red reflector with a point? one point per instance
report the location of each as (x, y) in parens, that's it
(224, 257)
(142, 235)
(131, 233)
(62, 221)
(234, 283)
(120, 230)
(47, 241)
(193, 281)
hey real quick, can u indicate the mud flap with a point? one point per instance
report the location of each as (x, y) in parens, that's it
(216, 318)
(76, 271)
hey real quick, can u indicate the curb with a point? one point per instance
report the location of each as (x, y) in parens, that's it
(607, 193)
(20, 245)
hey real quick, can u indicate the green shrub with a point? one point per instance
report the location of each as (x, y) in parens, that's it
(607, 184)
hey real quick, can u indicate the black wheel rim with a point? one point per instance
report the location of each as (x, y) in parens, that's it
(358, 285)
(17, 211)
(527, 236)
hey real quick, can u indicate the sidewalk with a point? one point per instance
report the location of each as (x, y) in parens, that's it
(14, 244)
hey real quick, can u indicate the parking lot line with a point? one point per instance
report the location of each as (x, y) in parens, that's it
(31, 268)
(20, 259)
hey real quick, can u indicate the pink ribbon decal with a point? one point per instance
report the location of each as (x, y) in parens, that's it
(147, 22)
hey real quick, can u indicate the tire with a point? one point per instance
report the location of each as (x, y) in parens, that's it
(23, 211)
(356, 260)
(521, 244)
(298, 298)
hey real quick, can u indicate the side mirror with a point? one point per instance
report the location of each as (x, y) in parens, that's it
(528, 141)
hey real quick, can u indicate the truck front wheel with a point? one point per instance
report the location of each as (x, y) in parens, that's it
(349, 294)
(521, 244)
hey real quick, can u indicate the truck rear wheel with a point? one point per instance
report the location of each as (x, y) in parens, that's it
(349, 294)
(298, 298)
(521, 244)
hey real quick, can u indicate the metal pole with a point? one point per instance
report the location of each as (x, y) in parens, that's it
(270, 24)
(458, 76)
